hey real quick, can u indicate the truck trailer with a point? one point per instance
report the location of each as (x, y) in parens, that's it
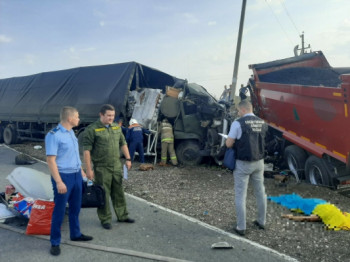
(30, 105)
(306, 104)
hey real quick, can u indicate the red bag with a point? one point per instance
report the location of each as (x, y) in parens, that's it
(40, 218)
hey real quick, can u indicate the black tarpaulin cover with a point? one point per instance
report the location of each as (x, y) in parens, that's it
(40, 97)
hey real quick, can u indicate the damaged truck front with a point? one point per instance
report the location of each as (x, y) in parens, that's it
(197, 119)
(306, 103)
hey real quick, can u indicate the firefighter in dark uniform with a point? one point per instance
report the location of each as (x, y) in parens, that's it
(102, 142)
(65, 167)
(134, 138)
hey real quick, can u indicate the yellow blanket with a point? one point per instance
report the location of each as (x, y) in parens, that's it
(332, 217)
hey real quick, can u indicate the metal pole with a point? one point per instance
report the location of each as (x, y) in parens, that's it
(238, 51)
(302, 44)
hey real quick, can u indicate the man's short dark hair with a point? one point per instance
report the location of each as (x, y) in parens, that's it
(66, 112)
(245, 104)
(106, 107)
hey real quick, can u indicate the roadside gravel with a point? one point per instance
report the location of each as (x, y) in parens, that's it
(206, 193)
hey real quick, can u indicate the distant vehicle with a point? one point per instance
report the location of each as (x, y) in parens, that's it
(30, 105)
(306, 103)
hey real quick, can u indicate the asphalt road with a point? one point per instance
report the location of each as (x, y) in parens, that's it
(158, 235)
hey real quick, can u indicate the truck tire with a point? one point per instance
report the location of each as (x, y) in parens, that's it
(188, 153)
(295, 158)
(319, 172)
(10, 135)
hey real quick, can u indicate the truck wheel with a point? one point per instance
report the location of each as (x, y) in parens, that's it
(319, 172)
(188, 153)
(10, 135)
(295, 158)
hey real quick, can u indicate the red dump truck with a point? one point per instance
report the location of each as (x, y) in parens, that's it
(306, 104)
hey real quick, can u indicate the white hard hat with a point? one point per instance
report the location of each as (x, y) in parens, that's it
(132, 121)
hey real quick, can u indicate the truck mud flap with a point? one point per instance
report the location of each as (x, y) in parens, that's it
(342, 182)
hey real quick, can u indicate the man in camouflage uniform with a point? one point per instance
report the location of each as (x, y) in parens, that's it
(167, 138)
(102, 140)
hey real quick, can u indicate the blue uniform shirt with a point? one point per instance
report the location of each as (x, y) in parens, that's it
(63, 144)
(135, 134)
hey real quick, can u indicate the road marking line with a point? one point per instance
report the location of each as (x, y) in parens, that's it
(218, 230)
(115, 250)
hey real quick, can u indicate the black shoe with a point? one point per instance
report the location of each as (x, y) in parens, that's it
(260, 226)
(82, 238)
(107, 226)
(128, 220)
(55, 250)
(240, 232)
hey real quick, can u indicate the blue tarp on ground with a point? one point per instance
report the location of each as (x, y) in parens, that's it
(294, 201)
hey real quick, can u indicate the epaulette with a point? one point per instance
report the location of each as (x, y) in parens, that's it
(53, 131)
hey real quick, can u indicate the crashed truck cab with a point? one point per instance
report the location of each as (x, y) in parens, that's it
(197, 119)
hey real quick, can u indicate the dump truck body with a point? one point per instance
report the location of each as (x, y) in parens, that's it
(305, 101)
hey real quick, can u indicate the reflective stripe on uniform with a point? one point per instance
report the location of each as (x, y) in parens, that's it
(164, 158)
(115, 127)
(100, 129)
(173, 157)
(167, 139)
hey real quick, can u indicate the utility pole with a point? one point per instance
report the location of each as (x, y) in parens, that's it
(238, 51)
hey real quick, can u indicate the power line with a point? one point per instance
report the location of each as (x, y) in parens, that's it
(285, 9)
(278, 21)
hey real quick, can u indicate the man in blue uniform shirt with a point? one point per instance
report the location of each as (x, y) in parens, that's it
(247, 134)
(65, 166)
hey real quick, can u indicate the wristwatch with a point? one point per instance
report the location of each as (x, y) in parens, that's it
(128, 159)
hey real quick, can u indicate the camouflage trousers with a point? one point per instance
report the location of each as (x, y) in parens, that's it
(111, 179)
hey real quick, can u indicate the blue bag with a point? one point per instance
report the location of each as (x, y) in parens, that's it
(230, 159)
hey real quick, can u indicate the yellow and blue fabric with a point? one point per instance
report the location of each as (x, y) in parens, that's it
(330, 215)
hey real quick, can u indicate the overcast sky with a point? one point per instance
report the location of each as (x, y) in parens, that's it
(194, 40)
